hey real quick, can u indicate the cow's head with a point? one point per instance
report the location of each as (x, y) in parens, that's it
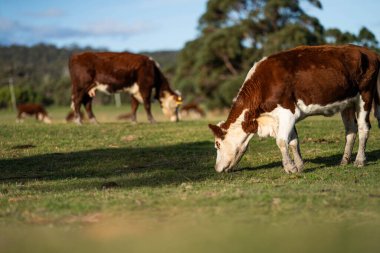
(170, 103)
(44, 118)
(230, 145)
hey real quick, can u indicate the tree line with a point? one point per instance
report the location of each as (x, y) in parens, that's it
(233, 35)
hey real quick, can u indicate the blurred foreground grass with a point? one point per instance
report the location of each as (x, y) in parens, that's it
(124, 187)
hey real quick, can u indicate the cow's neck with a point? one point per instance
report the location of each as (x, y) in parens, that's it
(244, 110)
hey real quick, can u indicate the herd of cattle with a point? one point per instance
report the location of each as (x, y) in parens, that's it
(135, 74)
(278, 91)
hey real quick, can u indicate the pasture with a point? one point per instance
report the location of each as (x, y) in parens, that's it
(152, 187)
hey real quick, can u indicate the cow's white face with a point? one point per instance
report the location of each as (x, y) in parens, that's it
(170, 106)
(44, 118)
(47, 120)
(230, 147)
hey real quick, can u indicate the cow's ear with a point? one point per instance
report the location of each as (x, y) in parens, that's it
(217, 131)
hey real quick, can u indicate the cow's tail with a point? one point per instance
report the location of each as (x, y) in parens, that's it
(377, 95)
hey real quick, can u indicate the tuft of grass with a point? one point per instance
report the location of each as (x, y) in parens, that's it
(148, 187)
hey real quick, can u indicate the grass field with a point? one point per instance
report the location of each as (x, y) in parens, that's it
(152, 188)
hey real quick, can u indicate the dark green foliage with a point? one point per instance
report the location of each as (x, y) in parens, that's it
(236, 33)
(365, 38)
(40, 74)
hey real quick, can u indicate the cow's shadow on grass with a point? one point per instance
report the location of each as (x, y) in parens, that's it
(135, 166)
(145, 166)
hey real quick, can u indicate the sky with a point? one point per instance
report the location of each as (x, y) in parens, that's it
(143, 25)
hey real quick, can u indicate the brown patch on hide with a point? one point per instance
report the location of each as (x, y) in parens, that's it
(250, 124)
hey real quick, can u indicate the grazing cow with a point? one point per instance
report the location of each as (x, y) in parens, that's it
(285, 88)
(32, 109)
(192, 110)
(120, 72)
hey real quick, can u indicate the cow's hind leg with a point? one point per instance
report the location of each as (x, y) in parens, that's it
(75, 106)
(351, 127)
(364, 126)
(134, 107)
(285, 129)
(295, 147)
(147, 108)
(87, 102)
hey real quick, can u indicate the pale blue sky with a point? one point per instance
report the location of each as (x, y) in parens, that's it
(138, 25)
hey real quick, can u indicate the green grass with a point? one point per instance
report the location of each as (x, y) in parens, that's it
(152, 187)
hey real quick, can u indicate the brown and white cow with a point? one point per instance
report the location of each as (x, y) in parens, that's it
(120, 72)
(287, 87)
(192, 110)
(30, 110)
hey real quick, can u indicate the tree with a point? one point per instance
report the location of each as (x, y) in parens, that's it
(236, 33)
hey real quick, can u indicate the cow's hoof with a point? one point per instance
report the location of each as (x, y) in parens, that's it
(78, 121)
(290, 168)
(360, 163)
(299, 167)
(344, 162)
(94, 121)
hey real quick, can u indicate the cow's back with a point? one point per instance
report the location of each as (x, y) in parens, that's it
(106, 67)
(30, 108)
(315, 75)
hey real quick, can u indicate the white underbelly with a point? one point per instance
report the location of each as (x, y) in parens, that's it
(327, 110)
(133, 90)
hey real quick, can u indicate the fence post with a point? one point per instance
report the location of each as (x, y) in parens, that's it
(117, 99)
(12, 91)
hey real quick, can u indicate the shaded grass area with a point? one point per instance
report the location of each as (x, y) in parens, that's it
(122, 185)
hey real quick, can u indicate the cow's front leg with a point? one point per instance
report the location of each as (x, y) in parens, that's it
(364, 126)
(148, 110)
(295, 147)
(351, 127)
(87, 102)
(286, 124)
(75, 106)
(19, 118)
(134, 107)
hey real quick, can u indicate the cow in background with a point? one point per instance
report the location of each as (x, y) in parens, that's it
(110, 72)
(32, 109)
(192, 110)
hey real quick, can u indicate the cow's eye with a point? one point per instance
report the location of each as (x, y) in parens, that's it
(217, 145)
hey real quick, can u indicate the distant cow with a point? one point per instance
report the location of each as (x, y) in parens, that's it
(32, 109)
(192, 110)
(120, 72)
(285, 88)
